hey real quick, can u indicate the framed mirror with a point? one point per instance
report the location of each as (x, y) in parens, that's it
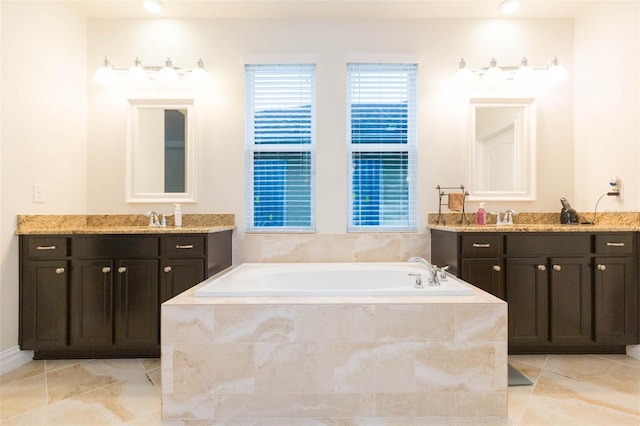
(161, 162)
(502, 149)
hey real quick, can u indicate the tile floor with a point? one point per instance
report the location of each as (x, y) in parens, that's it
(568, 390)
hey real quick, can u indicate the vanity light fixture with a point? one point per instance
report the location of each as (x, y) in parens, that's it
(523, 73)
(494, 73)
(140, 75)
(105, 74)
(168, 74)
(556, 73)
(153, 6)
(509, 6)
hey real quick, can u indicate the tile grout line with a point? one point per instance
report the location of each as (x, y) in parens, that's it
(533, 389)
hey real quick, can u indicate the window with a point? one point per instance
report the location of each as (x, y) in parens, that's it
(280, 147)
(381, 118)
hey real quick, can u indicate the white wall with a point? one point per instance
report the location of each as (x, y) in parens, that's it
(607, 105)
(226, 44)
(43, 98)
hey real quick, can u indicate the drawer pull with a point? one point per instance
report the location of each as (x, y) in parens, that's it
(183, 247)
(122, 269)
(106, 270)
(609, 244)
(481, 245)
(167, 268)
(497, 268)
(46, 247)
(601, 267)
(59, 270)
(557, 267)
(542, 268)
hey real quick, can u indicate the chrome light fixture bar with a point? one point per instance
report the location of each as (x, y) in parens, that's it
(494, 73)
(141, 75)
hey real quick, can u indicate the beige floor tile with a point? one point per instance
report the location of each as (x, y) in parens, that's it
(568, 390)
(20, 396)
(30, 369)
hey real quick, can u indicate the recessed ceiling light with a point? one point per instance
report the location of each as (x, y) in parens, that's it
(153, 6)
(509, 6)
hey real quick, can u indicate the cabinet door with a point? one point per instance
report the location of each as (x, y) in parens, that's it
(91, 304)
(178, 275)
(44, 293)
(136, 319)
(615, 301)
(527, 295)
(485, 274)
(570, 301)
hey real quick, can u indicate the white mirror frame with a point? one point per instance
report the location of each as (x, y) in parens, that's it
(525, 157)
(189, 196)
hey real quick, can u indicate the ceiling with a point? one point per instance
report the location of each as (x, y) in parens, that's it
(335, 9)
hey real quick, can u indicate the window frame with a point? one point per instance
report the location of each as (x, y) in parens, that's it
(252, 148)
(410, 147)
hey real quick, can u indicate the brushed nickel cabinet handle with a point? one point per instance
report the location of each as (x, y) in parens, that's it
(542, 268)
(46, 247)
(183, 247)
(497, 268)
(59, 270)
(106, 269)
(557, 267)
(167, 268)
(481, 245)
(613, 244)
(122, 269)
(602, 267)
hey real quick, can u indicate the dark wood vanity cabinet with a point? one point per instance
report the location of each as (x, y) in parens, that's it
(99, 295)
(475, 258)
(566, 292)
(44, 292)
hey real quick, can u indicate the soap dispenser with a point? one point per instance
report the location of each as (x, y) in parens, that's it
(481, 215)
(177, 216)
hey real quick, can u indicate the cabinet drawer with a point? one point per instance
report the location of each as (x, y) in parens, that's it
(614, 243)
(481, 245)
(184, 246)
(47, 247)
(139, 247)
(548, 244)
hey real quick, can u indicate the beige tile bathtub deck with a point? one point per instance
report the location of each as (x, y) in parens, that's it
(598, 390)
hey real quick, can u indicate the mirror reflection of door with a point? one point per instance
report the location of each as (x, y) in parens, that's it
(496, 150)
(174, 150)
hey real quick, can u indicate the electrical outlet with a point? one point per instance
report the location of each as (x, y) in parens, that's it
(39, 193)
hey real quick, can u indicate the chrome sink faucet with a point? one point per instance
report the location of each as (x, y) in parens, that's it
(434, 278)
(154, 218)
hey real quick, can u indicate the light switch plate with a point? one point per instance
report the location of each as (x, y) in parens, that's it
(39, 193)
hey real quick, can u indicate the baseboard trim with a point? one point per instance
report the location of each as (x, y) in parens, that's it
(633, 351)
(12, 358)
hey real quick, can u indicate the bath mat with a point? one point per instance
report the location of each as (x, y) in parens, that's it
(517, 379)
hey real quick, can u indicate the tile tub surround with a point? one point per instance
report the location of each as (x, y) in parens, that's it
(302, 358)
(120, 224)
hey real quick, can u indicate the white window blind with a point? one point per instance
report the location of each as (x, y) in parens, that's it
(382, 141)
(280, 147)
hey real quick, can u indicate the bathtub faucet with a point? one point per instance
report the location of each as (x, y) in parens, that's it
(432, 269)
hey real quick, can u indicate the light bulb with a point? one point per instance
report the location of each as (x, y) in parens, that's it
(136, 73)
(168, 74)
(105, 74)
(199, 75)
(556, 72)
(509, 6)
(153, 6)
(525, 73)
(494, 74)
(463, 75)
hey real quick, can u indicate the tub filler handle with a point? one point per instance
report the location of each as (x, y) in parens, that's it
(418, 283)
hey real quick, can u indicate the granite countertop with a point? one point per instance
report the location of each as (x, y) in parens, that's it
(539, 222)
(120, 224)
